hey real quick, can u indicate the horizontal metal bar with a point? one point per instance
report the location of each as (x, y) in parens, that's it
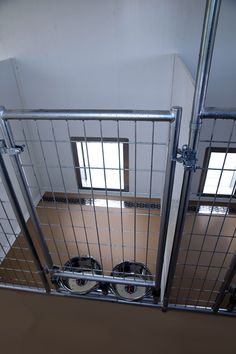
(200, 309)
(89, 114)
(100, 297)
(108, 168)
(23, 288)
(218, 113)
(130, 142)
(103, 278)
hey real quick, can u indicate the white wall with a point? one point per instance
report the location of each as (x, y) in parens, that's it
(79, 53)
(10, 94)
(182, 94)
(97, 54)
(62, 176)
(63, 179)
(222, 84)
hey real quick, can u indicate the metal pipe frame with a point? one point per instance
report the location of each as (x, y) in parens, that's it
(167, 197)
(21, 221)
(174, 115)
(9, 141)
(226, 284)
(103, 278)
(218, 113)
(92, 114)
(204, 64)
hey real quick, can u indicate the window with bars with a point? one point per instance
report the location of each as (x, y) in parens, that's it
(101, 163)
(219, 172)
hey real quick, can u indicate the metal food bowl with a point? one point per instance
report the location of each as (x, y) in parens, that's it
(87, 266)
(133, 271)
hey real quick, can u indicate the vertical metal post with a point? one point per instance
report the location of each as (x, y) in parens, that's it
(203, 71)
(21, 221)
(83, 158)
(226, 284)
(9, 141)
(167, 196)
(204, 65)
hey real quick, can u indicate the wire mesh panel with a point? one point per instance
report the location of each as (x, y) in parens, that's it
(97, 188)
(17, 265)
(209, 238)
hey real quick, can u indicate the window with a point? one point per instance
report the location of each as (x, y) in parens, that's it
(219, 172)
(101, 164)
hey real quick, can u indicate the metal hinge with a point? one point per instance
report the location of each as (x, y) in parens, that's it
(17, 149)
(187, 157)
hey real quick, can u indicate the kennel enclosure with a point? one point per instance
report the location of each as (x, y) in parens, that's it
(58, 202)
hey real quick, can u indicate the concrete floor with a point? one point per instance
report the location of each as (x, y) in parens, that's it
(40, 324)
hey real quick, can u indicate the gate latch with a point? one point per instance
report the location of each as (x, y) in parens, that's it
(187, 157)
(17, 149)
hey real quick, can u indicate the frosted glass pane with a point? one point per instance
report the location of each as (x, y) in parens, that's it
(100, 164)
(220, 181)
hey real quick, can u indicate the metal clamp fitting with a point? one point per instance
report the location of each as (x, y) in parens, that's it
(187, 157)
(17, 149)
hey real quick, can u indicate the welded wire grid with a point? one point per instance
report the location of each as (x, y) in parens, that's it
(17, 267)
(112, 226)
(209, 237)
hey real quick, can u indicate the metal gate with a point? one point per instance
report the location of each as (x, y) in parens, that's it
(97, 227)
(203, 260)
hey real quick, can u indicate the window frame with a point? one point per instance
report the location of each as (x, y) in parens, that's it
(77, 167)
(206, 161)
